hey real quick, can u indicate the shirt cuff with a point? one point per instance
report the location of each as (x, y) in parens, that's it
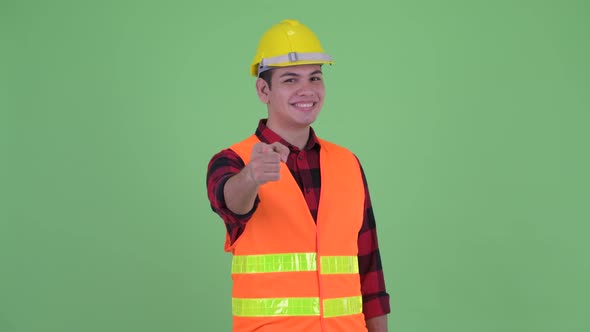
(377, 305)
(226, 212)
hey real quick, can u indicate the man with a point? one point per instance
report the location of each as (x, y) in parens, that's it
(302, 261)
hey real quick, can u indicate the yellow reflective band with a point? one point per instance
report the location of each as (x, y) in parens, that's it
(339, 264)
(296, 262)
(296, 306)
(301, 306)
(274, 263)
(343, 306)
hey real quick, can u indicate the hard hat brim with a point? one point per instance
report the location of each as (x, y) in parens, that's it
(257, 70)
(291, 59)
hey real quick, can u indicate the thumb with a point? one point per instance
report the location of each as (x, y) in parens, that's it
(282, 150)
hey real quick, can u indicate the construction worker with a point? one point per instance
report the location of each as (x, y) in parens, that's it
(297, 208)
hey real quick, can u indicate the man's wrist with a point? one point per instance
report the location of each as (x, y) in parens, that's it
(250, 176)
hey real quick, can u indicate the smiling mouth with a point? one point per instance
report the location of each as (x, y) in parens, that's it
(304, 106)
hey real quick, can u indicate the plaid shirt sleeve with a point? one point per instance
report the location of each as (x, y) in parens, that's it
(375, 297)
(222, 166)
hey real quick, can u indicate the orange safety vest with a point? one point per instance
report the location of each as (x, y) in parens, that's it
(291, 274)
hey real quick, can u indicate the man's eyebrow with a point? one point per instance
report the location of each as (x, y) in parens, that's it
(288, 74)
(297, 75)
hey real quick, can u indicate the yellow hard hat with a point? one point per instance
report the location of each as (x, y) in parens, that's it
(288, 43)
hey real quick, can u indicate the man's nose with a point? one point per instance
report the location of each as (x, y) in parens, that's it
(305, 90)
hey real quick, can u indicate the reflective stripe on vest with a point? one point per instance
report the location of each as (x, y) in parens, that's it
(297, 306)
(297, 262)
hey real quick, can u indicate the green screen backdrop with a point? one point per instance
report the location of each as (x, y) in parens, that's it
(470, 119)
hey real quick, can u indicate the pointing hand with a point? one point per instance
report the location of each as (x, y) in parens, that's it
(265, 162)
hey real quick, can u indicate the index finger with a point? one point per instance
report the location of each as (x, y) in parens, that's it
(260, 147)
(282, 150)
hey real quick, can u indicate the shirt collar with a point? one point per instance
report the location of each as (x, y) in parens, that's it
(266, 135)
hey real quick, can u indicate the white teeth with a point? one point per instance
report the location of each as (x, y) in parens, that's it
(304, 105)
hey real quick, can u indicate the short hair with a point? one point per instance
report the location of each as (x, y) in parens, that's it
(266, 76)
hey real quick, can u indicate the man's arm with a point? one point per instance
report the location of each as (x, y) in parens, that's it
(377, 324)
(240, 192)
(265, 165)
(375, 298)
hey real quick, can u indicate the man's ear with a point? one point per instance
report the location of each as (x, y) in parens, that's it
(262, 89)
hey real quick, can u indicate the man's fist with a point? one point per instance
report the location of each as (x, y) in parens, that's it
(265, 162)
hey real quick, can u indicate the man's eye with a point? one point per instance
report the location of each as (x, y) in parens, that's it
(289, 80)
(316, 78)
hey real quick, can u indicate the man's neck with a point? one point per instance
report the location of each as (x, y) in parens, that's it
(297, 137)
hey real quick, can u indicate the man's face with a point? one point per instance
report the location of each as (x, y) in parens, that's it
(296, 96)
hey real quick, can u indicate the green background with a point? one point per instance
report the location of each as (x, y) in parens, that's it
(470, 119)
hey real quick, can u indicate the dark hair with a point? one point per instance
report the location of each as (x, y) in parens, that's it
(266, 76)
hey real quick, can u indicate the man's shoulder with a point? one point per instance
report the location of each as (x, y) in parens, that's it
(249, 140)
(230, 151)
(333, 146)
(244, 147)
(225, 157)
(340, 150)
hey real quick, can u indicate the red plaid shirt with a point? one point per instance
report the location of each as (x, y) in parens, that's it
(305, 168)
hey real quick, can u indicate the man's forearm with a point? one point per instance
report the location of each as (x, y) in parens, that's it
(240, 193)
(377, 324)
